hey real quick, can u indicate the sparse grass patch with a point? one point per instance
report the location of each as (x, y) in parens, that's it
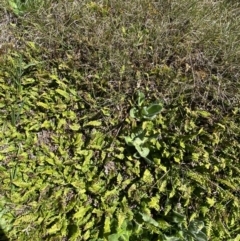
(82, 157)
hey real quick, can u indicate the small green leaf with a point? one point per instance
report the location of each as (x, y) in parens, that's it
(106, 111)
(143, 151)
(63, 93)
(43, 105)
(140, 98)
(50, 161)
(196, 226)
(177, 159)
(34, 127)
(151, 111)
(89, 224)
(134, 113)
(46, 124)
(166, 238)
(154, 203)
(13, 4)
(55, 228)
(107, 225)
(201, 236)
(147, 177)
(211, 201)
(129, 140)
(78, 140)
(177, 217)
(122, 70)
(93, 123)
(27, 81)
(203, 113)
(26, 66)
(222, 126)
(119, 156)
(81, 212)
(163, 186)
(96, 188)
(149, 219)
(114, 237)
(182, 144)
(74, 127)
(21, 184)
(61, 122)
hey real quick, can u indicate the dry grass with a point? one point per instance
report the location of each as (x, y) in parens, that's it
(130, 45)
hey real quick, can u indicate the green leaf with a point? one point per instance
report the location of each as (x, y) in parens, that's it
(86, 235)
(43, 105)
(81, 212)
(182, 144)
(177, 159)
(196, 226)
(13, 4)
(21, 184)
(152, 110)
(89, 224)
(107, 225)
(106, 111)
(147, 176)
(227, 183)
(75, 127)
(46, 124)
(211, 201)
(26, 66)
(222, 126)
(50, 161)
(139, 142)
(171, 238)
(143, 151)
(35, 126)
(93, 123)
(78, 140)
(96, 187)
(98, 141)
(140, 98)
(129, 140)
(55, 228)
(114, 237)
(178, 217)
(203, 113)
(201, 236)
(15, 7)
(63, 93)
(154, 203)
(134, 113)
(149, 219)
(163, 186)
(27, 81)
(2, 105)
(119, 156)
(61, 122)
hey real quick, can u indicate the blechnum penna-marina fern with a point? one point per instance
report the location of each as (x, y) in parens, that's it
(171, 175)
(172, 223)
(185, 162)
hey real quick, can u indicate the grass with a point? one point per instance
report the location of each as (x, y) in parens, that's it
(69, 75)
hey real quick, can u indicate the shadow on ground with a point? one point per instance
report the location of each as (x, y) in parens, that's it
(3, 237)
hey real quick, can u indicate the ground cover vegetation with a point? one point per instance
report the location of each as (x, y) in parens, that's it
(120, 120)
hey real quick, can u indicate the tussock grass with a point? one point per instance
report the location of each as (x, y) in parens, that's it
(198, 40)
